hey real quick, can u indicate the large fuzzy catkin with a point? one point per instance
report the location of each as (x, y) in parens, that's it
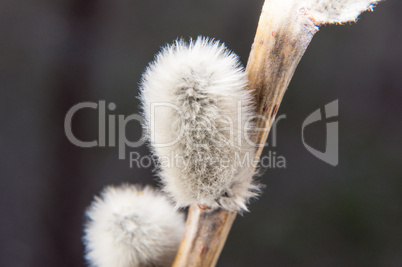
(130, 226)
(196, 106)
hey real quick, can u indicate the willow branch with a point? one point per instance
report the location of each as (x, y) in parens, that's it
(205, 236)
(279, 44)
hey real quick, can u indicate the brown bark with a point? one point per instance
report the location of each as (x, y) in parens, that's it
(205, 235)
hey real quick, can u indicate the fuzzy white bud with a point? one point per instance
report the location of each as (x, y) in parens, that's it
(338, 11)
(130, 227)
(196, 107)
(323, 11)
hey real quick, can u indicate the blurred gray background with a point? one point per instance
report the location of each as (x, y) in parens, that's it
(57, 53)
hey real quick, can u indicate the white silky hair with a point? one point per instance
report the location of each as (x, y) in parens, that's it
(325, 11)
(130, 226)
(338, 11)
(196, 105)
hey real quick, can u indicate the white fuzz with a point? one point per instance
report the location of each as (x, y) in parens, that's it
(338, 11)
(129, 226)
(323, 11)
(196, 104)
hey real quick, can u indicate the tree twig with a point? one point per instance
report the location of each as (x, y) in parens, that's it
(281, 40)
(205, 236)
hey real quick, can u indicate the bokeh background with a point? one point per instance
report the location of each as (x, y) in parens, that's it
(57, 53)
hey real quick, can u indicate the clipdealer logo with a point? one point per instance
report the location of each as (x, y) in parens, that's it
(108, 135)
(122, 121)
(331, 153)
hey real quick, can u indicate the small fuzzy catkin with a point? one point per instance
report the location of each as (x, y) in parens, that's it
(324, 11)
(199, 115)
(338, 11)
(130, 226)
